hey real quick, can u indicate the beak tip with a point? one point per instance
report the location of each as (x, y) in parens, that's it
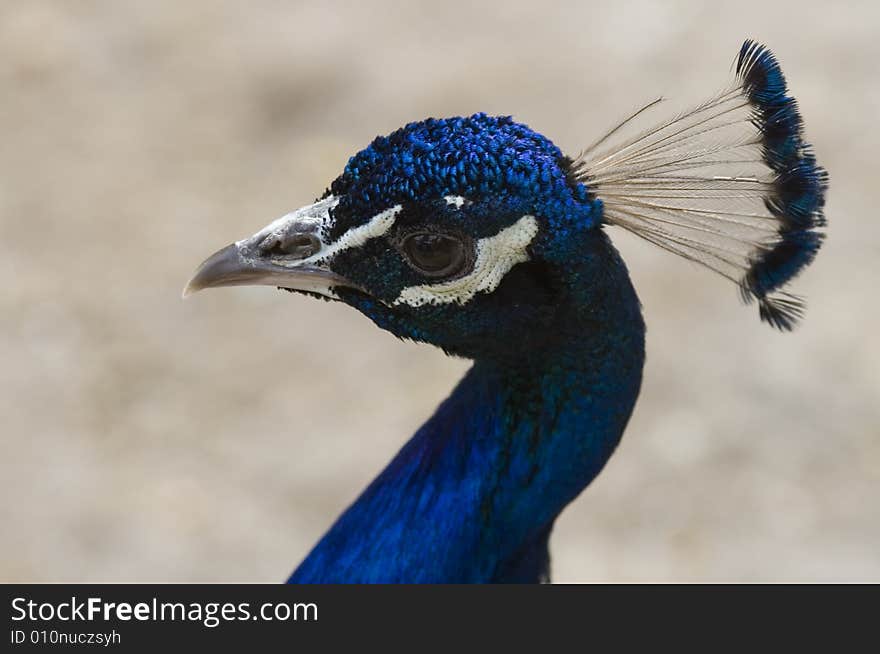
(188, 290)
(215, 270)
(228, 267)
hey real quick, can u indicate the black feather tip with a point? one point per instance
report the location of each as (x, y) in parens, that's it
(799, 187)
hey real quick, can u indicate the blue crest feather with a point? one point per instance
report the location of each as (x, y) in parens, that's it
(682, 185)
(800, 185)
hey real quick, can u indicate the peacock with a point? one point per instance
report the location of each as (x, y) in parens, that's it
(478, 235)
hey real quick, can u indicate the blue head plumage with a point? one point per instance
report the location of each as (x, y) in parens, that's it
(472, 178)
(503, 168)
(474, 157)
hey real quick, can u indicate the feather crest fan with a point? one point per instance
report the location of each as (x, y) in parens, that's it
(729, 184)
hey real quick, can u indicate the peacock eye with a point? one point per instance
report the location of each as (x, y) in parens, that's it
(435, 255)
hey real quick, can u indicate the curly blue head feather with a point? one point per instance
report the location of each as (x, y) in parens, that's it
(478, 156)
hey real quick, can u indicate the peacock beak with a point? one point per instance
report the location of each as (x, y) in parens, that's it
(229, 267)
(288, 253)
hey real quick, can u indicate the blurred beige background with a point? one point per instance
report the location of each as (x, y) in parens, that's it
(149, 439)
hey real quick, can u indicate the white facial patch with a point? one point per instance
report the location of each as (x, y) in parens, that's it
(454, 200)
(496, 255)
(377, 226)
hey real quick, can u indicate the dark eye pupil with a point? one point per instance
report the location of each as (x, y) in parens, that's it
(435, 254)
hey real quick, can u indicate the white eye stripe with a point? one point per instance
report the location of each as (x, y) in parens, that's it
(377, 226)
(316, 219)
(455, 200)
(496, 255)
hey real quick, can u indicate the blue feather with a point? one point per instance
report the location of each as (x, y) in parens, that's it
(800, 186)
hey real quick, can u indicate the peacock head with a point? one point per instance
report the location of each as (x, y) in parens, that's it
(478, 235)
(458, 232)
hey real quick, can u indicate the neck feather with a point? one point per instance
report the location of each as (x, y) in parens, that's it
(473, 495)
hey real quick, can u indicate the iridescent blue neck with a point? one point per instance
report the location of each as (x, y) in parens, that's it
(473, 495)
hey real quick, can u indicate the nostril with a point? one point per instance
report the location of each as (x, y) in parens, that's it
(298, 246)
(301, 245)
